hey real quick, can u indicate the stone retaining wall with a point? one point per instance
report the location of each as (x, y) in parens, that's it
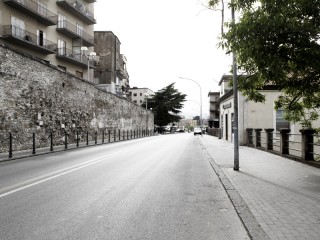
(37, 97)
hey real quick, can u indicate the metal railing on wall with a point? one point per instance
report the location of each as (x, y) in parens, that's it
(304, 146)
(14, 145)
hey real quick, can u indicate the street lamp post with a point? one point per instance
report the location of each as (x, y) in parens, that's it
(89, 57)
(200, 98)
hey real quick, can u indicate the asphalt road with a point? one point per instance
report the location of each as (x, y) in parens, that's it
(160, 187)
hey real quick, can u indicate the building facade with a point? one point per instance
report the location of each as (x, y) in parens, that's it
(54, 31)
(139, 95)
(111, 73)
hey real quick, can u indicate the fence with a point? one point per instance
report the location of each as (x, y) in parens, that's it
(304, 146)
(15, 145)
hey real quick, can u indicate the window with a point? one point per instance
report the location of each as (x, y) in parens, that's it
(280, 121)
(18, 27)
(41, 38)
(62, 23)
(135, 101)
(61, 47)
(42, 7)
(134, 94)
(79, 74)
(140, 94)
(79, 30)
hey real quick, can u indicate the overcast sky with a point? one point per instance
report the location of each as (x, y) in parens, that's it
(167, 39)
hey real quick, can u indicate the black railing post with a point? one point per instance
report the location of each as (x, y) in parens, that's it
(102, 136)
(119, 134)
(10, 145)
(51, 141)
(95, 137)
(33, 143)
(269, 138)
(114, 135)
(258, 136)
(65, 140)
(87, 137)
(109, 133)
(307, 144)
(127, 134)
(123, 135)
(284, 141)
(77, 138)
(131, 134)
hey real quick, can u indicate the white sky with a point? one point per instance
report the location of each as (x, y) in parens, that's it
(165, 39)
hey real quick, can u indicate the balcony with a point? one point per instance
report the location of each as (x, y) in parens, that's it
(74, 32)
(74, 58)
(90, 1)
(22, 37)
(78, 9)
(35, 10)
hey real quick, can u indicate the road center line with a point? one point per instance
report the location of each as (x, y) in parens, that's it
(56, 174)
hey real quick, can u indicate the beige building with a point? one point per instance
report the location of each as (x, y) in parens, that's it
(213, 109)
(139, 95)
(59, 32)
(111, 74)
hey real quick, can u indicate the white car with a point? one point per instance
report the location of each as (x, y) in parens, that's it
(197, 130)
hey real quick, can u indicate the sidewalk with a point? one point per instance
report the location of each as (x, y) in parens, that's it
(283, 195)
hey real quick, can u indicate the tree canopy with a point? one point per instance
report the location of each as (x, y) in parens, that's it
(277, 43)
(166, 105)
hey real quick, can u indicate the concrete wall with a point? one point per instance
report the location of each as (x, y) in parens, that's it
(39, 97)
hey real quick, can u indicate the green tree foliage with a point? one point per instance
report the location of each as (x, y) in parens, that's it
(166, 105)
(277, 43)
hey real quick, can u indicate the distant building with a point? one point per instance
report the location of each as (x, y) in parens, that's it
(139, 95)
(51, 31)
(214, 109)
(111, 73)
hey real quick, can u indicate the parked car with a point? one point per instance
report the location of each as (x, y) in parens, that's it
(197, 130)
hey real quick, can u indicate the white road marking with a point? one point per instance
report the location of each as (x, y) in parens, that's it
(56, 174)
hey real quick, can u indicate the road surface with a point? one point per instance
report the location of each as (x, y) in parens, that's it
(159, 187)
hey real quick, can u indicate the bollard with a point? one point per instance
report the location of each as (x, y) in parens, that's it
(102, 136)
(307, 144)
(114, 135)
(109, 132)
(119, 134)
(33, 143)
(284, 140)
(95, 137)
(269, 138)
(258, 137)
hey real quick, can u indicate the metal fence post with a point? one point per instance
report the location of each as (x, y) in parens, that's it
(119, 134)
(284, 140)
(114, 135)
(95, 137)
(10, 145)
(51, 141)
(102, 136)
(87, 137)
(77, 138)
(65, 140)
(33, 143)
(269, 138)
(258, 137)
(109, 133)
(307, 141)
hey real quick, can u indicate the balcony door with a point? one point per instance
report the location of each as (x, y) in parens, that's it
(61, 47)
(41, 38)
(62, 21)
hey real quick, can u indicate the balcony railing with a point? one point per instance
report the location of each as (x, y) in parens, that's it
(75, 32)
(22, 37)
(78, 9)
(74, 57)
(90, 1)
(35, 10)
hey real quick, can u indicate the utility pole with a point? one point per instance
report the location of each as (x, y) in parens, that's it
(235, 103)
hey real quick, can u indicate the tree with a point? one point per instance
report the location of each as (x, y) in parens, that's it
(166, 105)
(277, 43)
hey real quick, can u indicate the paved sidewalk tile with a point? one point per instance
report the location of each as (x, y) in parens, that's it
(282, 194)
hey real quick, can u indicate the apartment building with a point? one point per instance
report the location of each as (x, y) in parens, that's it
(139, 95)
(59, 32)
(111, 74)
(214, 109)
